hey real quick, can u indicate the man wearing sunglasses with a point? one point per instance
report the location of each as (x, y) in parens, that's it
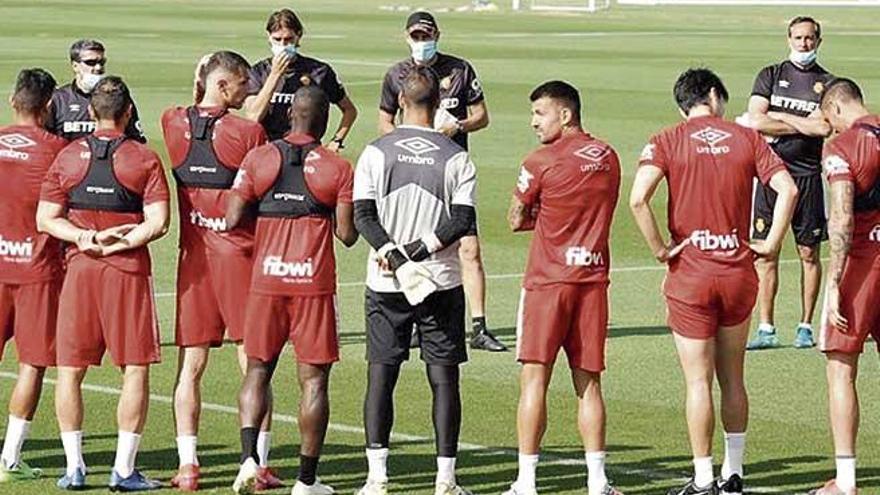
(69, 111)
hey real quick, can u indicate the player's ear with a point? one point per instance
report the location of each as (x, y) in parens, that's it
(401, 102)
(683, 114)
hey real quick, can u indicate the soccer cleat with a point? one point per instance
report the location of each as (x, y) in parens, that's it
(610, 490)
(76, 481)
(484, 340)
(450, 488)
(803, 337)
(731, 486)
(187, 478)
(831, 488)
(373, 488)
(514, 490)
(21, 472)
(317, 488)
(246, 480)
(136, 482)
(764, 339)
(691, 488)
(267, 480)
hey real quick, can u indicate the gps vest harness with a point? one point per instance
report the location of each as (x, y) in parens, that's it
(100, 190)
(870, 199)
(290, 196)
(201, 168)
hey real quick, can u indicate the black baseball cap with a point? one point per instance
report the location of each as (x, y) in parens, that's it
(421, 21)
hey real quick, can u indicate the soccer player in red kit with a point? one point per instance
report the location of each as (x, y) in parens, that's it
(711, 284)
(30, 262)
(566, 192)
(303, 195)
(852, 290)
(206, 145)
(106, 194)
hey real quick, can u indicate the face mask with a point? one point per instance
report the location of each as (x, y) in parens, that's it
(89, 81)
(277, 49)
(802, 58)
(422, 51)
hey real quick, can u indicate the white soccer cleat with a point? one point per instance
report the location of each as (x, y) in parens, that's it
(246, 480)
(449, 488)
(318, 488)
(514, 490)
(373, 488)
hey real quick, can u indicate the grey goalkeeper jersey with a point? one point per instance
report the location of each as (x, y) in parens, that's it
(415, 174)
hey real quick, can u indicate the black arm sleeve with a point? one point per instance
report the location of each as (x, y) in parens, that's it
(366, 221)
(460, 220)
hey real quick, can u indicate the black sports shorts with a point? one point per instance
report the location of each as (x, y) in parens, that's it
(808, 223)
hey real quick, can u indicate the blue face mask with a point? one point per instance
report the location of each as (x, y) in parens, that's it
(802, 58)
(422, 51)
(277, 49)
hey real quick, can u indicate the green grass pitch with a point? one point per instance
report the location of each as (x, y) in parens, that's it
(624, 60)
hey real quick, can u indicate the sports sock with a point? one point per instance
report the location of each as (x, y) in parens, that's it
(596, 479)
(703, 474)
(126, 451)
(807, 325)
(249, 443)
(308, 469)
(479, 324)
(734, 451)
(17, 430)
(846, 472)
(766, 327)
(377, 461)
(72, 442)
(445, 470)
(186, 450)
(528, 465)
(264, 443)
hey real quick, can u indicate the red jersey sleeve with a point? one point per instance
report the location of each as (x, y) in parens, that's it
(254, 176)
(836, 164)
(654, 153)
(156, 185)
(346, 183)
(52, 190)
(767, 162)
(528, 185)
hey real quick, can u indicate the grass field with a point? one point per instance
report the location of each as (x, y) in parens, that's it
(625, 61)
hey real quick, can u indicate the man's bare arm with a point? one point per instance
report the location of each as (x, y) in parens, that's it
(519, 216)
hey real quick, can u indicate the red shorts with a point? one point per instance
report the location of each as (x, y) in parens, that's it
(571, 316)
(28, 313)
(698, 304)
(310, 323)
(859, 304)
(212, 290)
(104, 308)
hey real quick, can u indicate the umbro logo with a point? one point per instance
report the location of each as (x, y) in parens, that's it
(15, 141)
(784, 84)
(417, 145)
(593, 152)
(74, 107)
(710, 136)
(312, 156)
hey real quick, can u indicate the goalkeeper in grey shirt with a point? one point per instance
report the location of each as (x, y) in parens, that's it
(414, 200)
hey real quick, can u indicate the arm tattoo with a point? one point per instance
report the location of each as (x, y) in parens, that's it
(840, 228)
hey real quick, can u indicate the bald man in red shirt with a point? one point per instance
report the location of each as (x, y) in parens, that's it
(30, 262)
(207, 144)
(107, 195)
(711, 285)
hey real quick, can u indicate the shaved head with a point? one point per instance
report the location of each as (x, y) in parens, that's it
(309, 111)
(841, 91)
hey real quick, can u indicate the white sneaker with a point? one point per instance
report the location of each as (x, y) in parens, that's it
(514, 490)
(373, 488)
(449, 488)
(246, 479)
(318, 488)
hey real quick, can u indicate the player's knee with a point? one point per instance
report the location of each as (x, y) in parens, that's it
(841, 368)
(809, 255)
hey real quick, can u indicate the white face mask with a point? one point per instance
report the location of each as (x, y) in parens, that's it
(278, 48)
(89, 81)
(802, 58)
(422, 51)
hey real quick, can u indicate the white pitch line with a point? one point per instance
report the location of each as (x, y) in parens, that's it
(401, 437)
(503, 276)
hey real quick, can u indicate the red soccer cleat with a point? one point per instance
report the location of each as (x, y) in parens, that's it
(831, 488)
(267, 480)
(187, 478)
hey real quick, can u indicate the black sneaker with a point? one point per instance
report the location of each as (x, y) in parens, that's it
(691, 488)
(484, 340)
(731, 486)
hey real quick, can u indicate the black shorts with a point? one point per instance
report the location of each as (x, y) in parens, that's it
(438, 320)
(808, 223)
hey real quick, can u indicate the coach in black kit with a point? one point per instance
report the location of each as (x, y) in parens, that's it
(69, 110)
(274, 80)
(784, 107)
